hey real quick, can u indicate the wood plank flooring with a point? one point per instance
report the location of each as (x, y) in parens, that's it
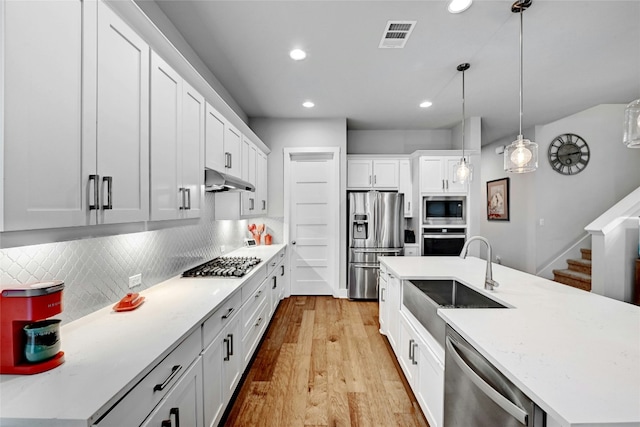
(323, 362)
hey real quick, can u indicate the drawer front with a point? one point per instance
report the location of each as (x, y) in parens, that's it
(251, 307)
(254, 331)
(141, 400)
(250, 286)
(219, 319)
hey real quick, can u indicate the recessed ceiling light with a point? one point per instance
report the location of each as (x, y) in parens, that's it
(308, 104)
(457, 6)
(426, 104)
(298, 54)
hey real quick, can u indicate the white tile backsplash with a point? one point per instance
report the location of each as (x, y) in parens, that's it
(96, 271)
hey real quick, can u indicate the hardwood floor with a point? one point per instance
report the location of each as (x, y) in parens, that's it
(323, 362)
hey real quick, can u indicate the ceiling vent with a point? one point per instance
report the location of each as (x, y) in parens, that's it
(396, 34)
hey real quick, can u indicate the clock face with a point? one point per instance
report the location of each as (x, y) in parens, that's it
(568, 154)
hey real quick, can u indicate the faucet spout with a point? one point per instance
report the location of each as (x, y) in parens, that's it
(489, 283)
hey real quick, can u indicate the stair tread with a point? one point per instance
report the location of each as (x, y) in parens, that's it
(581, 261)
(573, 274)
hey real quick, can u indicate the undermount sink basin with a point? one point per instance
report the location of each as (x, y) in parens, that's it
(423, 298)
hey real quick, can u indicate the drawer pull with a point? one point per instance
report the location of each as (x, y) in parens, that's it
(282, 270)
(174, 372)
(226, 316)
(273, 264)
(258, 294)
(166, 423)
(230, 344)
(258, 322)
(176, 412)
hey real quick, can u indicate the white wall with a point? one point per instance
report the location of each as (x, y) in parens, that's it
(397, 141)
(280, 133)
(566, 203)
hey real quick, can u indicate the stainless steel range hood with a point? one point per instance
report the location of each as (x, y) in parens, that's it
(217, 181)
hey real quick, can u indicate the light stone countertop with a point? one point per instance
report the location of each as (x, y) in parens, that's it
(107, 352)
(576, 354)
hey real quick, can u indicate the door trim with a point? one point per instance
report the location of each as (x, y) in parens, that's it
(316, 153)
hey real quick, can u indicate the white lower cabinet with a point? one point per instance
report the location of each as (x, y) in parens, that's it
(222, 369)
(393, 324)
(423, 370)
(183, 404)
(383, 300)
(277, 279)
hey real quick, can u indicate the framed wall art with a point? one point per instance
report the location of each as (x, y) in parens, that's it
(498, 200)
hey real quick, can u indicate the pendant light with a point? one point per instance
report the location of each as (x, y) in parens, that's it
(521, 155)
(463, 170)
(631, 136)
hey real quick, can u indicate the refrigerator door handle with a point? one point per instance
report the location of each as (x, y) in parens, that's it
(366, 265)
(367, 250)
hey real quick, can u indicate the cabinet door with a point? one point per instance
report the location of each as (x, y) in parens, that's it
(233, 151)
(405, 186)
(193, 107)
(182, 405)
(385, 174)
(452, 186)
(262, 183)
(359, 173)
(406, 353)
(383, 300)
(214, 140)
(165, 140)
(213, 364)
(429, 386)
(233, 357)
(432, 176)
(393, 329)
(49, 150)
(122, 120)
(249, 198)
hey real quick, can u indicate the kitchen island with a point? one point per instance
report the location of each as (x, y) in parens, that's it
(108, 354)
(576, 354)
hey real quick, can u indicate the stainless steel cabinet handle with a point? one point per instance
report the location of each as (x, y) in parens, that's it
(409, 206)
(411, 350)
(176, 412)
(375, 179)
(382, 294)
(188, 190)
(230, 344)
(275, 282)
(230, 160)
(282, 270)
(226, 343)
(489, 391)
(258, 322)
(366, 266)
(182, 204)
(447, 184)
(258, 294)
(174, 372)
(226, 316)
(443, 184)
(369, 179)
(252, 203)
(109, 181)
(273, 264)
(96, 190)
(415, 362)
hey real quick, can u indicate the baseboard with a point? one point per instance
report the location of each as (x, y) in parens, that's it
(341, 293)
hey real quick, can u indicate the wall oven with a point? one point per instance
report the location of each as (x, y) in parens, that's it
(444, 210)
(442, 241)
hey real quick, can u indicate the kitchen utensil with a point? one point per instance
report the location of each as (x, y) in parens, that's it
(43, 340)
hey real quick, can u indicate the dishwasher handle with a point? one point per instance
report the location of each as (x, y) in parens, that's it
(490, 392)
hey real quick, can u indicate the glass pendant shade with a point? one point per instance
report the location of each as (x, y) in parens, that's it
(631, 137)
(521, 156)
(462, 172)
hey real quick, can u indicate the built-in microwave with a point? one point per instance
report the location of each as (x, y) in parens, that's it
(444, 210)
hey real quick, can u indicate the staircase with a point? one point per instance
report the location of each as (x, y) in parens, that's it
(578, 274)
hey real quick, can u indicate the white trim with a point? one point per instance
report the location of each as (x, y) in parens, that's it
(288, 152)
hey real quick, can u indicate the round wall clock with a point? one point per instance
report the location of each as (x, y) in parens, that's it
(568, 154)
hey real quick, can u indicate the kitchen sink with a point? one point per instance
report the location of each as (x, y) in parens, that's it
(423, 298)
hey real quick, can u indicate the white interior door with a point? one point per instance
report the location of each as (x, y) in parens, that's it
(312, 196)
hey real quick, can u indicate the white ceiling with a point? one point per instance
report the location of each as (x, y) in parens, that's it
(577, 54)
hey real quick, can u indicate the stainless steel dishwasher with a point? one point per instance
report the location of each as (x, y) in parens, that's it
(477, 394)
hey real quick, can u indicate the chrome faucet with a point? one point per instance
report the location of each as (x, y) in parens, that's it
(489, 283)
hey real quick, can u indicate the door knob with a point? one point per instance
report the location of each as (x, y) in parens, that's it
(293, 242)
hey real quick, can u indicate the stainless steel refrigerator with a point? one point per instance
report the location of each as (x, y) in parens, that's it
(375, 229)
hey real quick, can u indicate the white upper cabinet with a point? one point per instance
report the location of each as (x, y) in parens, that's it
(261, 184)
(215, 129)
(436, 175)
(233, 151)
(406, 187)
(372, 174)
(122, 121)
(177, 145)
(44, 71)
(249, 165)
(82, 157)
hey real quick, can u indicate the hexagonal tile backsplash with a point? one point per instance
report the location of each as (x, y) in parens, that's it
(96, 271)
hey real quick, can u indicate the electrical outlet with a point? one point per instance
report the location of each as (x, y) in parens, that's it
(135, 280)
(222, 249)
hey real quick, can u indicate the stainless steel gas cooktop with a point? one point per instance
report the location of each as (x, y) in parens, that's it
(223, 267)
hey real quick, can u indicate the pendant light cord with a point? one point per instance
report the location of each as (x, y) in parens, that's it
(463, 116)
(521, 10)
